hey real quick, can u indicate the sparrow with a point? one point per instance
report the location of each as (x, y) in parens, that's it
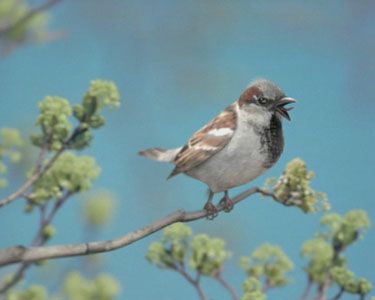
(236, 147)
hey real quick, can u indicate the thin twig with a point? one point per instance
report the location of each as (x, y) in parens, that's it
(39, 169)
(227, 286)
(307, 289)
(322, 290)
(28, 16)
(323, 287)
(339, 294)
(180, 268)
(18, 254)
(38, 240)
(199, 288)
(34, 178)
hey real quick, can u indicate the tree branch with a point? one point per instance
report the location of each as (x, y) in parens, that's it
(323, 287)
(20, 253)
(227, 286)
(39, 169)
(322, 290)
(339, 294)
(180, 268)
(39, 172)
(38, 240)
(307, 289)
(29, 15)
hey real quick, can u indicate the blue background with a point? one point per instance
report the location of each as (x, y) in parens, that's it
(177, 64)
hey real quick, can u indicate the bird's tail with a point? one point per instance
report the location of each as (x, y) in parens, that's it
(165, 155)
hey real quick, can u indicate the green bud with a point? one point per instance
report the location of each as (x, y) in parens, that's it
(48, 232)
(69, 173)
(208, 254)
(79, 112)
(253, 290)
(173, 247)
(293, 188)
(97, 122)
(103, 93)
(269, 261)
(54, 122)
(364, 286)
(320, 255)
(344, 230)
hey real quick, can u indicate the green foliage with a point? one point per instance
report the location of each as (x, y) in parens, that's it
(49, 231)
(101, 94)
(54, 122)
(34, 292)
(65, 174)
(320, 255)
(270, 262)
(208, 254)
(324, 252)
(54, 119)
(252, 288)
(348, 282)
(10, 144)
(205, 254)
(172, 248)
(103, 287)
(98, 209)
(70, 173)
(32, 30)
(293, 188)
(344, 230)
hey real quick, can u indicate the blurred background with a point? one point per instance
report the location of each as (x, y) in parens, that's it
(177, 64)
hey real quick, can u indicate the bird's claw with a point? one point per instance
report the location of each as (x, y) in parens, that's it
(211, 210)
(227, 203)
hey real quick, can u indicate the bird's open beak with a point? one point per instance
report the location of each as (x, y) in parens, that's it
(281, 109)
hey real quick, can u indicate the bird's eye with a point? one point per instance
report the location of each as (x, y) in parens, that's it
(262, 100)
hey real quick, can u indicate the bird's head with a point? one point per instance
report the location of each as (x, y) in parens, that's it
(264, 97)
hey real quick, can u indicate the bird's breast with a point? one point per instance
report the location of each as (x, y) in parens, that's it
(240, 161)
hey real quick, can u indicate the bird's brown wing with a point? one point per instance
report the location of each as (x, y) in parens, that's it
(206, 142)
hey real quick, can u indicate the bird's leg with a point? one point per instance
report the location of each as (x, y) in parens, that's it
(210, 207)
(226, 202)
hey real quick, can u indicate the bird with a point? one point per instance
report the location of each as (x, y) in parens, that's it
(235, 147)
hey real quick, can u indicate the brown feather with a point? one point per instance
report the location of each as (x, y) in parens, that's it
(203, 145)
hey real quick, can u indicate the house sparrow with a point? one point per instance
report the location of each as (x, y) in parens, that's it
(237, 146)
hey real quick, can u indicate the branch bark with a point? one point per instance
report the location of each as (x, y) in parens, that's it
(227, 286)
(20, 253)
(194, 282)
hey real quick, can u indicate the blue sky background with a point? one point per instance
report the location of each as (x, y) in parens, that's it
(177, 64)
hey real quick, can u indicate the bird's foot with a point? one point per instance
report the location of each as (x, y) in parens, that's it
(227, 203)
(211, 210)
